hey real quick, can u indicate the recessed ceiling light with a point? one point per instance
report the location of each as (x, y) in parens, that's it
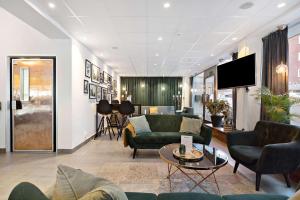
(246, 5)
(280, 5)
(234, 38)
(51, 5)
(156, 54)
(159, 38)
(155, 64)
(212, 55)
(198, 64)
(167, 5)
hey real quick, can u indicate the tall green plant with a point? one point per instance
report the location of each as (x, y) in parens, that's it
(277, 107)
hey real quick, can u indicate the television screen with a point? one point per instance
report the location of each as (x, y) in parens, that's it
(237, 73)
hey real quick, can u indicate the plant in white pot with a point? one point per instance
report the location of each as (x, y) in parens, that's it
(218, 109)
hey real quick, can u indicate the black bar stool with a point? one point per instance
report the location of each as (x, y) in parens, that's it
(105, 109)
(114, 119)
(126, 109)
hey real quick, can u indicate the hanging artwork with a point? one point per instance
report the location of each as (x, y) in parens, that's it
(104, 94)
(95, 74)
(88, 68)
(98, 93)
(85, 86)
(93, 91)
(107, 78)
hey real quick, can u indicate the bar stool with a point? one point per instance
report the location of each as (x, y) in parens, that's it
(126, 109)
(114, 119)
(105, 109)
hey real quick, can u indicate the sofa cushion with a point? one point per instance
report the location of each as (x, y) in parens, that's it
(190, 125)
(140, 196)
(246, 154)
(188, 196)
(140, 124)
(26, 191)
(164, 123)
(164, 138)
(255, 197)
(69, 185)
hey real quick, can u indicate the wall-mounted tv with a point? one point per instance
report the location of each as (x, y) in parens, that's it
(237, 73)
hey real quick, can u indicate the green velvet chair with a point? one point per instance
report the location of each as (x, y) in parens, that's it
(165, 130)
(271, 148)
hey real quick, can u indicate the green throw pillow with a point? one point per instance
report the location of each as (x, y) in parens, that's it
(74, 184)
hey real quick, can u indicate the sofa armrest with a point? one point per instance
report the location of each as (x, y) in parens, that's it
(129, 138)
(206, 133)
(279, 158)
(242, 138)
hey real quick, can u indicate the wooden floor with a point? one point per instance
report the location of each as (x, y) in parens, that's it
(40, 168)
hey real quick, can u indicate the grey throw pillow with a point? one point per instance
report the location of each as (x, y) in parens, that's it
(74, 184)
(190, 125)
(140, 124)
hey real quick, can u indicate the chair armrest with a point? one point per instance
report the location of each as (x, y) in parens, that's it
(206, 133)
(279, 158)
(242, 138)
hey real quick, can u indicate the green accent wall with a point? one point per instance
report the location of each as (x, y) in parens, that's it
(149, 91)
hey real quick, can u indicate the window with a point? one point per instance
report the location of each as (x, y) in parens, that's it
(197, 92)
(294, 74)
(24, 84)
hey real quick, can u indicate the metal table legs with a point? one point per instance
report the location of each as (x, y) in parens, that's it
(190, 176)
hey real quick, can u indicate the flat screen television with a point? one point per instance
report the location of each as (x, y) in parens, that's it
(237, 73)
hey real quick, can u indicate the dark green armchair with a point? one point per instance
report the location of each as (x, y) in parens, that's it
(271, 148)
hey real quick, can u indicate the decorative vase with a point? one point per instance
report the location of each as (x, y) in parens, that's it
(216, 120)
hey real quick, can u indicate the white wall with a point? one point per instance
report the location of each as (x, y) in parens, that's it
(83, 109)
(75, 112)
(248, 108)
(19, 39)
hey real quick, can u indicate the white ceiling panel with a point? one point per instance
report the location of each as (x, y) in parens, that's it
(191, 30)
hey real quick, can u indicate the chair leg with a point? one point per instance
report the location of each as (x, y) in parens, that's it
(235, 167)
(258, 178)
(108, 127)
(134, 153)
(287, 180)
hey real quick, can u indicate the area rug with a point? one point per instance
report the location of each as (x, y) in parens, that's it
(151, 177)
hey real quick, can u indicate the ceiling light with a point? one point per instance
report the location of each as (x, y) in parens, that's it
(212, 55)
(163, 88)
(51, 5)
(280, 5)
(167, 5)
(155, 64)
(246, 5)
(234, 38)
(159, 38)
(156, 54)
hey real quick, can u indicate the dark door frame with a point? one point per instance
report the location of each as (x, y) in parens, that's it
(54, 95)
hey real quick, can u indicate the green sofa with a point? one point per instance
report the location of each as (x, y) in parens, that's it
(28, 191)
(165, 130)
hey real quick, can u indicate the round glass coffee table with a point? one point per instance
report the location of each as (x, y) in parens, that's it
(212, 160)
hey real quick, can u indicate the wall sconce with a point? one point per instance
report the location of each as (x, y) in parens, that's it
(163, 88)
(142, 85)
(281, 69)
(124, 88)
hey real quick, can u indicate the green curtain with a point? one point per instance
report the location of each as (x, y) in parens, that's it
(152, 91)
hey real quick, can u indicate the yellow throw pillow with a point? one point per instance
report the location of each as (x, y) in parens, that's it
(296, 196)
(190, 125)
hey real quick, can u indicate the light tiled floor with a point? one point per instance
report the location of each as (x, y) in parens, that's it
(40, 169)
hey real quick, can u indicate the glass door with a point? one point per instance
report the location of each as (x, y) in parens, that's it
(32, 104)
(209, 94)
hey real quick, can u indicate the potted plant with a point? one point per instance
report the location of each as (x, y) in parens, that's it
(218, 109)
(277, 107)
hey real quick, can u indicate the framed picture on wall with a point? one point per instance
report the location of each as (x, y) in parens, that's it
(95, 74)
(88, 68)
(85, 86)
(104, 94)
(107, 78)
(93, 91)
(109, 89)
(109, 98)
(101, 77)
(98, 93)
